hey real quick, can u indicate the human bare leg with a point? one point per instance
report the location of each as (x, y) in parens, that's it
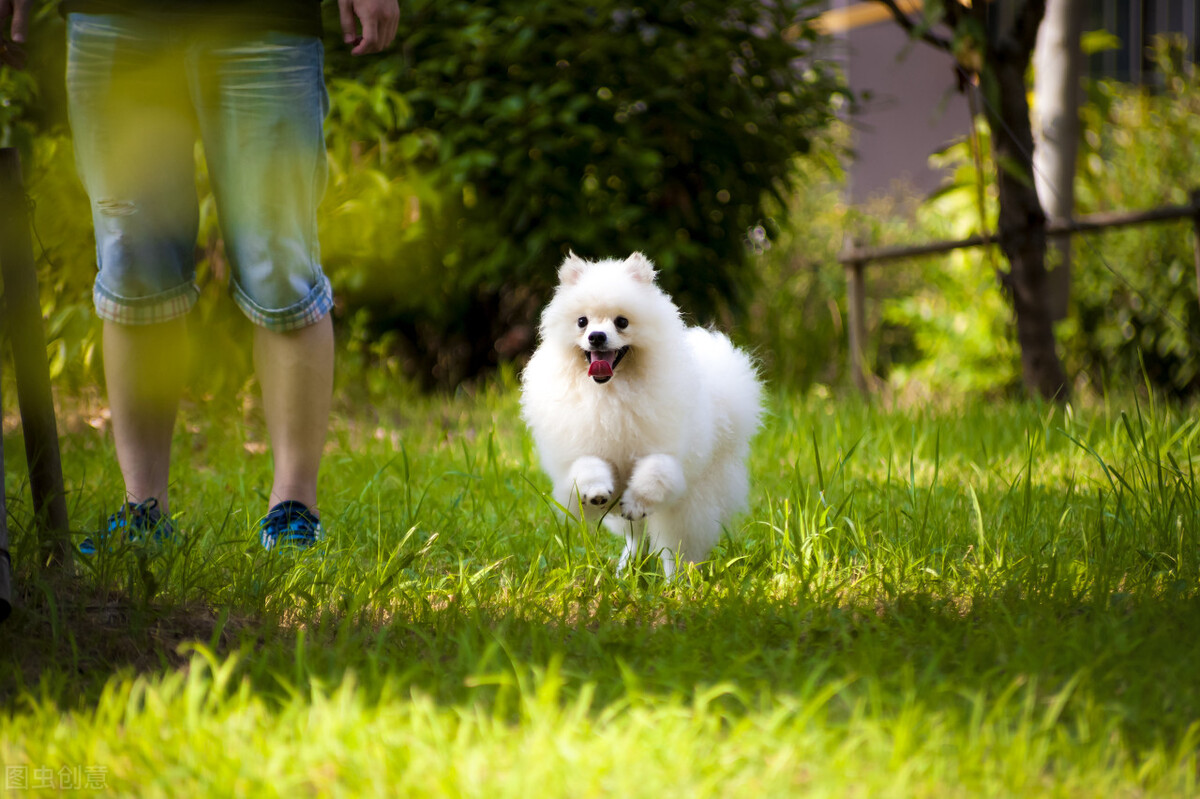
(295, 370)
(145, 369)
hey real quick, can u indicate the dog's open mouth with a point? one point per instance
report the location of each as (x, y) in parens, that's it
(601, 363)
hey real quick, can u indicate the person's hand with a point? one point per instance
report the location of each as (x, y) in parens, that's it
(378, 19)
(11, 52)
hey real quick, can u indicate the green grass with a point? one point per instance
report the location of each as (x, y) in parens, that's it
(994, 600)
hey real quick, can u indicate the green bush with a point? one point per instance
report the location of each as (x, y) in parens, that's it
(18, 94)
(385, 230)
(66, 258)
(960, 323)
(937, 324)
(796, 291)
(1134, 290)
(535, 127)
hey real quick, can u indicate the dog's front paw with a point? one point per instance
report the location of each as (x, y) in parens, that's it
(597, 495)
(590, 483)
(656, 479)
(634, 507)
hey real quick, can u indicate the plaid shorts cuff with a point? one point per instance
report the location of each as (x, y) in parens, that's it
(308, 311)
(144, 310)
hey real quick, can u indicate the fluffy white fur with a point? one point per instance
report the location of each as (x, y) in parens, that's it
(659, 449)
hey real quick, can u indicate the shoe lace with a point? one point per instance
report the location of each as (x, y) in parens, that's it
(136, 515)
(141, 517)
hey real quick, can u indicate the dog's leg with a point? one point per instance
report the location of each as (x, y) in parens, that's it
(656, 479)
(632, 545)
(589, 483)
(668, 563)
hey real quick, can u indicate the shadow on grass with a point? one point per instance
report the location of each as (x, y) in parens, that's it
(1133, 655)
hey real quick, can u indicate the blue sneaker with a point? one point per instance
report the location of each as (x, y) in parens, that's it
(138, 524)
(290, 523)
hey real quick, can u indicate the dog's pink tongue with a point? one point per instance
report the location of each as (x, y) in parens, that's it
(599, 368)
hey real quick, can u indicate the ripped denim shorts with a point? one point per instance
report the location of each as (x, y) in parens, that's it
(141, 92)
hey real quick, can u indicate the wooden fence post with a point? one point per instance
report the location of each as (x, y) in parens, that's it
(23, 318)
(856, 312)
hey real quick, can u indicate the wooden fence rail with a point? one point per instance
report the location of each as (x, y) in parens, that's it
(855, 260)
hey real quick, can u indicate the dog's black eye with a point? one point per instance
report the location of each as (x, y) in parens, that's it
(582, 322)
(621, 322)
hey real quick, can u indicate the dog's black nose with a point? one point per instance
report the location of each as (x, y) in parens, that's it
(597, 338)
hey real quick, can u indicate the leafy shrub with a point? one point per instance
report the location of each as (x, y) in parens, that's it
(605, 127)
(961, 324)
(33, 121)
(797, 289)
(66, 257)
(385, 230)
(935, 324)
(18, 94)
(1134, 289)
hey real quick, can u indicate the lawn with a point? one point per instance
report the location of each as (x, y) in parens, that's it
(991, 599)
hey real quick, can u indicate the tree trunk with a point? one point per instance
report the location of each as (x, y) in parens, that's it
(1010, 30)
(1058, 65)
(1022, 222)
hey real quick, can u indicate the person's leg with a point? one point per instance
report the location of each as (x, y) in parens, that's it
(134, 136)
(145, 369)
(295, 370)
(261, 103)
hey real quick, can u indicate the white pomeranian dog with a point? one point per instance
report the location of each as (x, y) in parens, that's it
(639, 419)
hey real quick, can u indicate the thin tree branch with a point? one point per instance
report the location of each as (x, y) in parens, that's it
(914, 30)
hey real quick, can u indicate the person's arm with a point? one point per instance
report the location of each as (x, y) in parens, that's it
(377, 18)
(12, 53)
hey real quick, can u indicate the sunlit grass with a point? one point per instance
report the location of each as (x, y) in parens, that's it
(995, 600)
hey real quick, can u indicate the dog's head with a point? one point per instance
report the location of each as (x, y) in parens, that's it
(606, 312)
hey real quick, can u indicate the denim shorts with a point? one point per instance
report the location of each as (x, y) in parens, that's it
(141, 92)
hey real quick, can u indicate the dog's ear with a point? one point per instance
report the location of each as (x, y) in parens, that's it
(572, 269)
(640, 267)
